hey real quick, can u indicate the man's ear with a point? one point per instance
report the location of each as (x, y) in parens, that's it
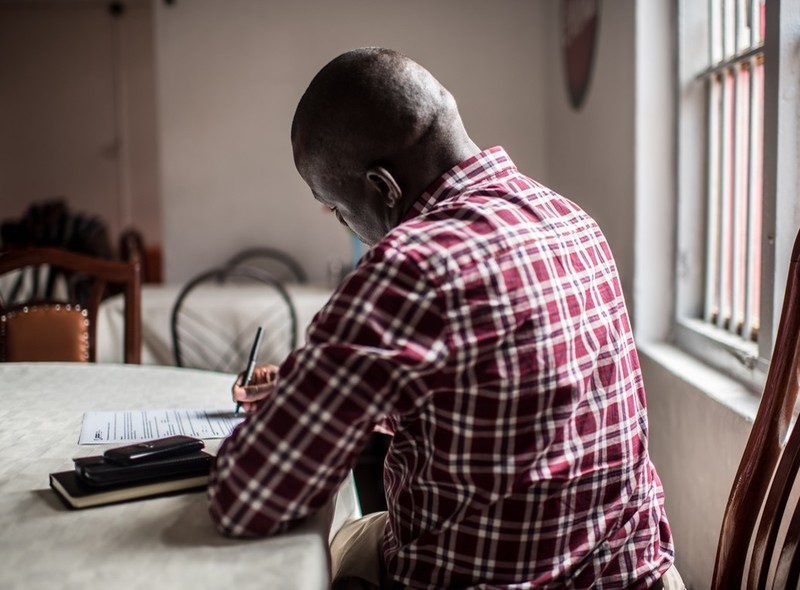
(383, 181)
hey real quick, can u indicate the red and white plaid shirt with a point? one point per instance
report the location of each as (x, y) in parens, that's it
(490, 328)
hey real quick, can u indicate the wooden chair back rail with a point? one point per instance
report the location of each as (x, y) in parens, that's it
(761, 458)
(788, 566)
(108, 270)
(102, 272)
(764, 543)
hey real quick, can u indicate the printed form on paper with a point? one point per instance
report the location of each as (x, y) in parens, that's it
(140, 425)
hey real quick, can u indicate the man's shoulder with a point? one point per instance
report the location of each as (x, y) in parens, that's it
(409, 246)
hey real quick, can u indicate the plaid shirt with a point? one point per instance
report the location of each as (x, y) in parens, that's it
(490, 329)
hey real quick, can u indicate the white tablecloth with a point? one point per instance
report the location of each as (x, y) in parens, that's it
(225, 306)
(167, 542)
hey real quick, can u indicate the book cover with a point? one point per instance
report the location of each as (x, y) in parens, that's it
(75, 494)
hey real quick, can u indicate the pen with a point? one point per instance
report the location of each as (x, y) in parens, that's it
(251, 365)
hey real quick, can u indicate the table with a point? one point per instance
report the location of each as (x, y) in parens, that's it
(167, 542)
(224, 305)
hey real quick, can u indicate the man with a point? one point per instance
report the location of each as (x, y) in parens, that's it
(486, 330)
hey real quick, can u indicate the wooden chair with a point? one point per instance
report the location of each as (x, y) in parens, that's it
(758, 507)
(64, 329)
(132, 243)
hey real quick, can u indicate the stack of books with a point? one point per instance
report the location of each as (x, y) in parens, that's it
(104, 479)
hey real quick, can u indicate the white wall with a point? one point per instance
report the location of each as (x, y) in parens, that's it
(230, 75)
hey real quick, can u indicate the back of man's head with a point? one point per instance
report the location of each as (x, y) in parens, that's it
(371, 104)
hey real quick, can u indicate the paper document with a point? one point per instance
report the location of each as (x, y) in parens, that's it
(139, 425)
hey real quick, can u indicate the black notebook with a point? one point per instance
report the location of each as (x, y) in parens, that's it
(93, 483)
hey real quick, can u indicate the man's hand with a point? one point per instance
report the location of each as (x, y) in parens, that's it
(261, 387)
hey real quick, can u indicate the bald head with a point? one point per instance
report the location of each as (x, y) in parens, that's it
(373, 103)
(374, 109)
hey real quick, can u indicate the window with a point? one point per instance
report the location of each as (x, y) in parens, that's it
(734, 153)
(737, 213)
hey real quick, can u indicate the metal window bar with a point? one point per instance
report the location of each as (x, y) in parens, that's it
(711, 309)
(738, 200)
(725, 204)
(756, 22)
(754, 199)
(728, 28)
(743, 24)
(716, 53)
(735, 111)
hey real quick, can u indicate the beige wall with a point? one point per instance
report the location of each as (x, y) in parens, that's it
(590, 152)
(230, 76)
(175, 119)
(78, 112)
(696, 441)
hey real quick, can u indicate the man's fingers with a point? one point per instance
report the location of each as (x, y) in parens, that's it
(249, 407)
(253, 392)
(261, 386)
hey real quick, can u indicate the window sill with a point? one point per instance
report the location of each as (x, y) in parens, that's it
(723, 352)
(708, 381)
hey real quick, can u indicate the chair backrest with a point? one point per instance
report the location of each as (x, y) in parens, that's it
(65, 328)
(132, 243)
(217, 313)
(755, 520)
(276, 263)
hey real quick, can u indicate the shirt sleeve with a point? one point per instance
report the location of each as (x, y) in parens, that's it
(367, 355)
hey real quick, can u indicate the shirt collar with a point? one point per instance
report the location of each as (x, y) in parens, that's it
(481, 166)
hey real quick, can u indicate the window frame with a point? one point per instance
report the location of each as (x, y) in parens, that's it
(745, 361)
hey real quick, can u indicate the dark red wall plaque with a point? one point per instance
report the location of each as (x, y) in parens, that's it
(578, 40)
